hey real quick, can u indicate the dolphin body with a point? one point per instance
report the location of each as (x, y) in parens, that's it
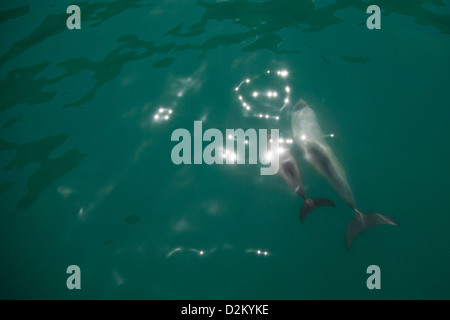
(290, 173)
(310, 138)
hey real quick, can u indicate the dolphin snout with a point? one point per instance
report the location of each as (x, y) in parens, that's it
(299, 105)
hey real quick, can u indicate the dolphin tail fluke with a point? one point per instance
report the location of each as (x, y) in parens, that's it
(313, 203)
(364, 221)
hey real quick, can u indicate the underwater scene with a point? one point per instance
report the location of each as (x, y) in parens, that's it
(225, 149)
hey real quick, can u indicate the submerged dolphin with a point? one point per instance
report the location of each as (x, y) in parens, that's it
(291, 175)
(309, 137)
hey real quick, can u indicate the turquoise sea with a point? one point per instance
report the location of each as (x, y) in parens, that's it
(86, 118)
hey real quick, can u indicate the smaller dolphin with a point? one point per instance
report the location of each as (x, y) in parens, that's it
(309, 137)
(290, 173)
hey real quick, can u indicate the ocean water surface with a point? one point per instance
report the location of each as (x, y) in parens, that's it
(86, 118)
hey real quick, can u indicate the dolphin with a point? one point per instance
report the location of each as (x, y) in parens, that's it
(310, 138)
(290, 173)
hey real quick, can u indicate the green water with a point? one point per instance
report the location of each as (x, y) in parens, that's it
(86, 171)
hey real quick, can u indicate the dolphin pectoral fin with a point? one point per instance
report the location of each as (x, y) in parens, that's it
(364, 221)
(313, 203)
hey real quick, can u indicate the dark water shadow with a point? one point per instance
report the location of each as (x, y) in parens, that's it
(13, 13)
(55, 24)
(50, 169)
(21, 80)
